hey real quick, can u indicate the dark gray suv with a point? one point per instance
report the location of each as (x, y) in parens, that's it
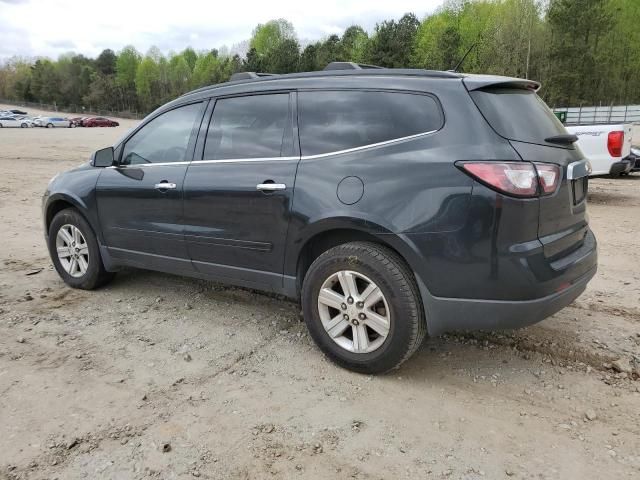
(393, 203)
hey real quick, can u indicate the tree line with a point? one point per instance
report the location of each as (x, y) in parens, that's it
(583, 52)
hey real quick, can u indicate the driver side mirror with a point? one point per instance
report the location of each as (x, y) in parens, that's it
(103, 157)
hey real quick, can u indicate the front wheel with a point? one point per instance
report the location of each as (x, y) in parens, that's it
(362, 307)
(23, 125)
(74, 251)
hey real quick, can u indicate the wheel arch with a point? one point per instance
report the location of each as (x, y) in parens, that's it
(59, 202)
(335, 233)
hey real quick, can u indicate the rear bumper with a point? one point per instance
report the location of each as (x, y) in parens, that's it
(450, 314)
(573, 273)
(623, 166)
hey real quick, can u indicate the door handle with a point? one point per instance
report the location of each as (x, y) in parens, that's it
(270, 187)
(164, 185)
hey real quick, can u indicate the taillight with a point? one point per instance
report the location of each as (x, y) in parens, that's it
(513, 178)
(520, 179)
(614, 143)
(548, 177)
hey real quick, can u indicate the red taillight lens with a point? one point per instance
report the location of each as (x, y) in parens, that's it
(614, 143)
(548, 176)
(513, 178)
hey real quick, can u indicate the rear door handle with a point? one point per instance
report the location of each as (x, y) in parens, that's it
(164, 185)
(270, 187)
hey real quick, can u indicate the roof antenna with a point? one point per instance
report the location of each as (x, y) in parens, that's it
(455, 69)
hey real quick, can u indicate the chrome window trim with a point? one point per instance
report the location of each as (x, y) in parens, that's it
(146, 165)
(241, 160)
(303, 157)
(370, 145)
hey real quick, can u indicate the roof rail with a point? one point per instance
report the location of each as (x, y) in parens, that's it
(349, 66)
(249, 75)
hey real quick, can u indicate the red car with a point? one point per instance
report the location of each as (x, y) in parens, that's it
(99, 122)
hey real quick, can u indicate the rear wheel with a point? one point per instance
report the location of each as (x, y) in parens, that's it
(23, 125)
(49, 125)
(74, 251)
(362, 307)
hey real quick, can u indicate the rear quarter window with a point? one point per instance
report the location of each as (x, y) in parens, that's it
(332, 121)
(518, 114)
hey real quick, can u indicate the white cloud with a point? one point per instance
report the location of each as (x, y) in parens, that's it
(45, 27)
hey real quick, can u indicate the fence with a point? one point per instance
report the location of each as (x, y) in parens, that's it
(602, 114)
(77, 109)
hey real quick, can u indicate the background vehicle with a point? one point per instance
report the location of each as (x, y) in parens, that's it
(13, 122)
(351, 189)
(99, 122)
(18, 112)
(78, 121)
(51, 122)
(634, 158)
(605, 146)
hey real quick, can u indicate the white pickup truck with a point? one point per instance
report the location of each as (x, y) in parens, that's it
(607, 147)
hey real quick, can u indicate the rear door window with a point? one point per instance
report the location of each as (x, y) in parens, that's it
(331, 121)
(518, 114)
(255, 126)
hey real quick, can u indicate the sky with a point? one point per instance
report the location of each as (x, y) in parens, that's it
(52, 27)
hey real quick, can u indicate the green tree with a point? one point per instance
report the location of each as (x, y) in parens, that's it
(354, 44)
(148, 82)
(179, 74)
(576, 26)
(204, 72)
(392, 42)
(106, 62)
(126, 71)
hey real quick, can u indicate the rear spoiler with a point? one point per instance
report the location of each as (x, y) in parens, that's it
(478, 82)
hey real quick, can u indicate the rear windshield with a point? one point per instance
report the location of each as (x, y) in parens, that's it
(518, 114)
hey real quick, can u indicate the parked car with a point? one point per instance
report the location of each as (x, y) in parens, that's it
(607, 147)
(51, 122)
(99, 122)
(78, 121)
(12, 122)
(18, 112)
(393, 203)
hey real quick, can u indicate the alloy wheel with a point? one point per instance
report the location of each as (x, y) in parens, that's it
(73, 250)
(354, 312)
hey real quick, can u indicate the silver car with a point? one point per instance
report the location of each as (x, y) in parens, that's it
(50, 122)
(13, 122)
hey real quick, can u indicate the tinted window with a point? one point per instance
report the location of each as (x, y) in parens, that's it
(518, 114)
(338, 120)
(248, 127)
(163, 139)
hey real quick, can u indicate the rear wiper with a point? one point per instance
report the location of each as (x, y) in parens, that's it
(567, 139)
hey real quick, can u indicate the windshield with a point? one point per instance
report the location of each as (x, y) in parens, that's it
(518, 114)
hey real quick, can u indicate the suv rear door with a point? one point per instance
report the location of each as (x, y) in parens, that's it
(515, 112)
(239, 188)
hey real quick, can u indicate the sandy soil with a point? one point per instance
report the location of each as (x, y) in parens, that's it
(157, 376)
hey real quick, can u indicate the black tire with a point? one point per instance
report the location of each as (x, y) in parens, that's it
(23, 125)
(49, 125)
(397, 283)
(96, 275)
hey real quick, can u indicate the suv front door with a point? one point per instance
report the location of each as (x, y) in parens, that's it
(140, 199)
(239, 188)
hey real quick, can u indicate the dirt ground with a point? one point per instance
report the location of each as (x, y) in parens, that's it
(158, 376)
